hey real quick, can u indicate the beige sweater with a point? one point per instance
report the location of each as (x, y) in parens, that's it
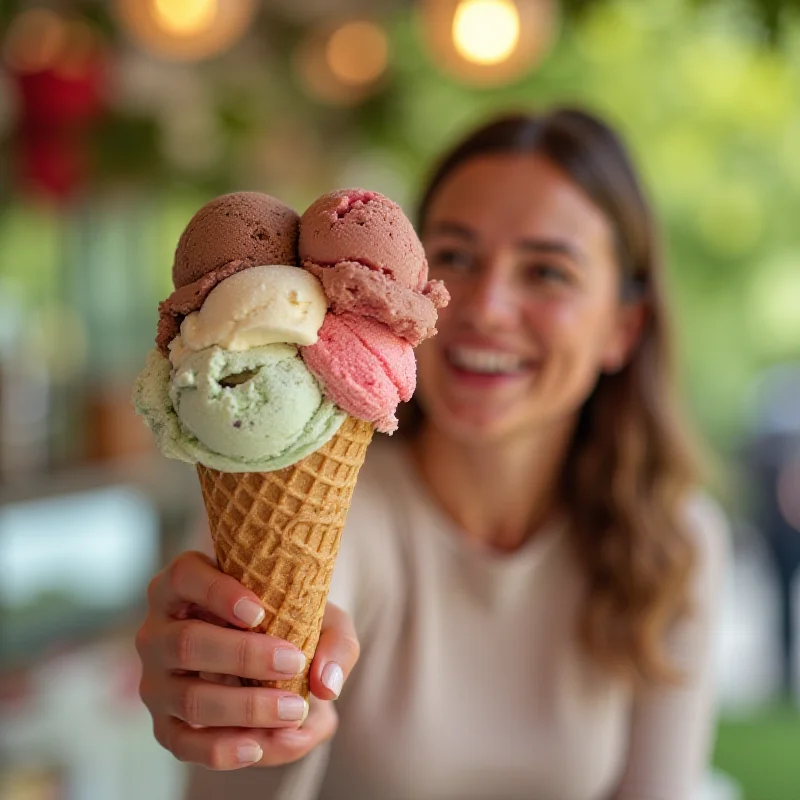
(471, 685)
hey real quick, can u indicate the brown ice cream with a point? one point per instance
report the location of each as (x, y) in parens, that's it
(231, 233)
(246, 226)
(370, 261)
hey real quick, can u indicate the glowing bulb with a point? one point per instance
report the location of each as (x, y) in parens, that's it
(185, 30)
(486, 31)
(35, 40)
(357, 53)
(185, 17)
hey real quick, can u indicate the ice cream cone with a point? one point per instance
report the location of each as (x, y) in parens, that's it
(278, 533)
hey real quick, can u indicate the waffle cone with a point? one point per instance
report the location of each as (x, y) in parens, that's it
(278, 533)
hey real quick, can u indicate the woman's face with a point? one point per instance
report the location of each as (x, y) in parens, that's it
(535, 314)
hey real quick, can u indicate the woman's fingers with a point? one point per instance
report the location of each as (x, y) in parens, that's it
(200, 702)
(293, 743)
(193, 578)
(195, 646)
(234, 748)
(215, 749)
(336, 654)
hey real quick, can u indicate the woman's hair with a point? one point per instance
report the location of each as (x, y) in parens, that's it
(632, 463)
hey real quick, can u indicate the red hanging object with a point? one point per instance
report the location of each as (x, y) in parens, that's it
(58, 103)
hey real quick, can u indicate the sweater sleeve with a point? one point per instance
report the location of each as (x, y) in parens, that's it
(671, 726)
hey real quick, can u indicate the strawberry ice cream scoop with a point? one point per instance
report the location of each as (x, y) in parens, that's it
(351, 288)
(363, 367)
(365, 227)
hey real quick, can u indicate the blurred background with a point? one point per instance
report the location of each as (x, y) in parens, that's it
(119, 118)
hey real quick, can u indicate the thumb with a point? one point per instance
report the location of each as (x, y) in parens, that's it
(336, 655)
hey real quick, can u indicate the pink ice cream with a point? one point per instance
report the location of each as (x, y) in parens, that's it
(363, 367)
(370, 261)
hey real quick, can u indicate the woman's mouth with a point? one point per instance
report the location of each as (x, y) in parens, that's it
(486, 364)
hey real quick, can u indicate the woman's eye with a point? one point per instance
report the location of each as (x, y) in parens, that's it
(452, 259)
(547, 273)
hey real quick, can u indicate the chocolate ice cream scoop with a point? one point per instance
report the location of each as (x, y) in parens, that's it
(244, 226)
(231, 233)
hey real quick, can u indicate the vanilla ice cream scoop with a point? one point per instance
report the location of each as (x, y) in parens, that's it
(258, 306)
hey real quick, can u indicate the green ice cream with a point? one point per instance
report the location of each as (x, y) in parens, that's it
(257, 410)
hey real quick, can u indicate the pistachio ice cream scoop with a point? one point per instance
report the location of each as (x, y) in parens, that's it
(254, 410)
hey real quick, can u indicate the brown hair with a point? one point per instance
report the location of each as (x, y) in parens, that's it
(632, 463)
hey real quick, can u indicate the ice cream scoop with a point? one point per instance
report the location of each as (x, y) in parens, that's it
(363, 367)
(252, 411)
(257, 306)
(370, 261)
(365, 227)
(242, 226)
(351, 288)
(231, 233)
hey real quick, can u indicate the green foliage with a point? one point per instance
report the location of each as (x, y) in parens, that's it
(760, 751)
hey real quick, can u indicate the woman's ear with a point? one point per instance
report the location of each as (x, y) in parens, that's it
(631, 318)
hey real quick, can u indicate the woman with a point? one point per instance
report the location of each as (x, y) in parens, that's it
(531, 573)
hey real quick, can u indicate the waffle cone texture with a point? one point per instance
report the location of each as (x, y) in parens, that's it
(278, 533)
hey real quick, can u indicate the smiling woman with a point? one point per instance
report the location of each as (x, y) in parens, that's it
(535, 313)
(531, 570)
(556, 340)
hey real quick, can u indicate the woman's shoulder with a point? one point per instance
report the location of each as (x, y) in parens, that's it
(706, 525)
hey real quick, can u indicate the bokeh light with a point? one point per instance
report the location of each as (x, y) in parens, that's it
(185, 30)
(357, 52)
(486, 31)
(34, 40)
(342, 65)
(488, 42)
(39, 40)
(186, 17)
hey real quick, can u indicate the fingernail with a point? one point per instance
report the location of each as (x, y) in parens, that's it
(292, 707)
(333, 677)
(249, 753)
(249, 612)
(289, 662)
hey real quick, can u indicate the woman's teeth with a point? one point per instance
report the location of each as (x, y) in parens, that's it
(490, 362)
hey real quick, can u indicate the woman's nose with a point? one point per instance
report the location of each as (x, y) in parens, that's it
(491, 301)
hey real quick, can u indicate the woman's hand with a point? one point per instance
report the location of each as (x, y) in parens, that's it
(191, 643)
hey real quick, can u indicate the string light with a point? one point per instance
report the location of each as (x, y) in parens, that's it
(185, 17)
(40, 40)
(357, 52)
(488, 42)
(186, 30)
(34, 41)
(486, 31)
(342, 66)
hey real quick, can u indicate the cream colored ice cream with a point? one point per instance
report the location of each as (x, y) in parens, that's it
(255, 307)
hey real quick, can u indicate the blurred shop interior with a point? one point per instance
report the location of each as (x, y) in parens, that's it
(119, 118)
